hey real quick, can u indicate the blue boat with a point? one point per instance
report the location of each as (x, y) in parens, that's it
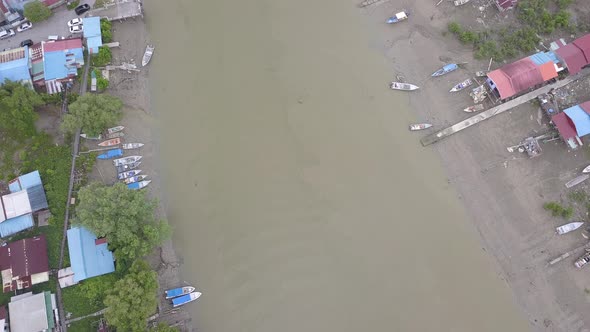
(111, 154)
(445, 69)
(138, 185)
(184, 299)
(176, 292)
(401, 16)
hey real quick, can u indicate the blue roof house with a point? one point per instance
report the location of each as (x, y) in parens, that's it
(62, 58)
(92, 33)
(89, 256)
(580, 118)
(14, 65)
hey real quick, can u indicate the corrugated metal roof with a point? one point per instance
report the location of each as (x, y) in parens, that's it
(15, 68)
(586, 107)
(15, 225)
(37, 198)
(548, 71)
(523, 74)
(62, 64)
(25, 257)
(502, 83)
(580, 119)
(573, 57)
(564, 125)
(583, 43)
(29, 313)
(25, 181)
(91, 27)
(16, 204)
(87, 258)
(93, 44)
(62, 45)
(540, 58)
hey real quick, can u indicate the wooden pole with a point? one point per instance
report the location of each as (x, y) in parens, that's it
(490, 65)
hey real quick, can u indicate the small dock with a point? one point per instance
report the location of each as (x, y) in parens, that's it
(437, 136)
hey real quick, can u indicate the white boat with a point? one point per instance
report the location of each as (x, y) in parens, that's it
(176, 292)
(587, 169)
(480, 74)
(128, 146)
(462, 85)
(577, 180)
(403, 86)
(473, 108)
(147, 56)
(126, 160)
(184, 299)
(127, 167)
(582, 261)
(460, 2)
(398, 17)
(420, 126)
(136, 178)
(115, 129)
(128, 174)
(138, 185)
(115, 135)
(572, 226)
(96, 138)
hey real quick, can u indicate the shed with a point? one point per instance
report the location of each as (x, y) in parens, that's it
(16, 204)
(516, 77)
(566, 130)
(32, 312)
(580, 119)
(573, 58)
(88, 257)
(92, 33)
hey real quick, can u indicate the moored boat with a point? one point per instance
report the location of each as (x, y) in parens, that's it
(460, 2)
(95, 138)
(586, 170)
(110, 142)
(462, 85)
(445, 69)
(176, 292)
(128, 146)
(128, 174)
(115, 135)
(403, 86)
(184, 299)
(420, 126)
(126, 160)
(572, 226)
(136, 178)
(583, 260)
(401, 16)
(110, 154)
(577, 181)
(127, 167)
(473, 108)
(115, 129)
(147, 55)
(139, 185)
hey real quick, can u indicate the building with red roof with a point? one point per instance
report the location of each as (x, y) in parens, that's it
(24, 263)
(575, 56)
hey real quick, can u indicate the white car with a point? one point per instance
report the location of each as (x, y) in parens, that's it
(76, 21)
(25, 26)
(76, 29)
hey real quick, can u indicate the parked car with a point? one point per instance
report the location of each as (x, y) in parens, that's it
(77, 28)
(25, 26)
(82, 9)
(26, 42)
(76, 21)
(6, 33)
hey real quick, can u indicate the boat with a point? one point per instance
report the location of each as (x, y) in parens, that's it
(577, 180)
(115, 129)
(110, 142)
(445, 69)
(128, 174)
(583, 260)
(460, 2)
(473, 108)
(587, 169)
(111, 154)
(128, 146)
(184, 299)
(147, 55)
(403, 86)
(401, 16)
(176, 292)
(572, 226)
(462, 85)
(96, 138)
(136, 178)
(420, 126)
(115, 135)
(126, 160)
(127, 167)
(480, 74)
(138, 185)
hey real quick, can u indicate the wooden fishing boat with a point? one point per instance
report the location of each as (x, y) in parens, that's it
(116, 135)
(462, 85)
(110, 154)
(583, 260)
(577, 181)
(460, 2)
(420, 126)
(115, 129)
(176, 292)
(138, 185)
(136, 178)
(128, 146)
(127, 167)
(445, 69)
(126, 160)
(147, 55)
(572, 226)
(403, 86)
(401, 16)
(586, 170)
(94, 138)
(184, 299)
(480, 74)
(128, 174)
(110, 142)
(473, 108)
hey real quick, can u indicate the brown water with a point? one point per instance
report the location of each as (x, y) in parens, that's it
(300, 201)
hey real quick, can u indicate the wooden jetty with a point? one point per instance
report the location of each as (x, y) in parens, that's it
(439, 135)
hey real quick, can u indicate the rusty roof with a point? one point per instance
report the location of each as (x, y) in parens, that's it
(573, 57)
(25, 257)
(583, 43)
(62, 45)
(11, 55)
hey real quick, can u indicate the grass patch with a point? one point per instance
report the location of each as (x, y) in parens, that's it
(84, 325)
(578, 196)
(73, 4)
(75, 301)
(557, 210)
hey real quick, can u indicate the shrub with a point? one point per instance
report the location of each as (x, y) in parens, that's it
(103, 57)
(106, 31)
(557, 210)
(102, 83)
(36, 11)
(454, 27)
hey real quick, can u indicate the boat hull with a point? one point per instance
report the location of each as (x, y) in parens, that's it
(127, 167)
(111, 142)
(180, 291)
(126, 160)
(128, 174)
(419, 126)
(577, 181)
(403, 86)
(184, 299)
(564, 229)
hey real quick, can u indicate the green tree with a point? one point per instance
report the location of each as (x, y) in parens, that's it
(106, 31)
(93, 113)
(454, 27)
(95, 289)
(36, 11)
(162, 327)
(102, 83)
(103, 57)
(17, 110)
(132, 299)
(125, 217)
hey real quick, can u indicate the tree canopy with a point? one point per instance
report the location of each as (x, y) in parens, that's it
(17, 110)
(36, 11)
(132, 299)
(125, 217)
(93, 113)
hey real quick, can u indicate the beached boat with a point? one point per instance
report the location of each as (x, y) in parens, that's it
(138, 185)
(126, 160)
(184, 299)
(176, 292)
(110, 154)
(462, 85)
(128, 146)
(128, 174)
(582, 261)
(147, 55)
(420, 126)
(115, 129)
(480, 74)
(586, 170)
(572, 226)
(445, 69)
(136, 178)
(401, 16)
(460, 2)
(115, 135)
(577, 180)
(403, 86)
(473, 108)
(96, 138)
(127, 167)
(110, 142)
